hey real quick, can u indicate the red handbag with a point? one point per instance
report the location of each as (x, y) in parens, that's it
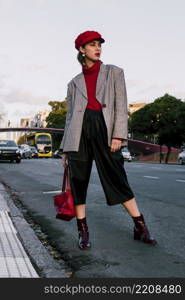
(64, 202)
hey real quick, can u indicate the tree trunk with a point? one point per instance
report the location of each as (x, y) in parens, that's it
(168, 154)
(160, 155)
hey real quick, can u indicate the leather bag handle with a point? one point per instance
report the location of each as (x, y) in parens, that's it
(65, 178)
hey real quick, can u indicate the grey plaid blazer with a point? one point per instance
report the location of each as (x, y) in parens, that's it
(110, 92)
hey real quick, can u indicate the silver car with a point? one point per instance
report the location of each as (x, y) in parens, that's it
(181, 157)
(126, 154)
(25, 151)
(34, 151)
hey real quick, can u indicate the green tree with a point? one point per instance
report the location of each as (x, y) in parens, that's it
(56, 119)
(22, 139)
(163, 118)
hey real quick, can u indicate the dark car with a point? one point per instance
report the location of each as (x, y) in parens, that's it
(9, 151)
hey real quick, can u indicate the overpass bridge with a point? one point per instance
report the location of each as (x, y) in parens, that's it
(32, 129)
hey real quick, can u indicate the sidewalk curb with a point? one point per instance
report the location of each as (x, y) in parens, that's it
(42, 261)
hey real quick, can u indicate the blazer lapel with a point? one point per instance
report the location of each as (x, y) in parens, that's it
(79, 80)
(101, 81)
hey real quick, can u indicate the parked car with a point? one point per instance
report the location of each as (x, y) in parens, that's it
(25, 151)
(9, 151)
(181, 157)
(34, 151)
(126, 154)
(57, 154)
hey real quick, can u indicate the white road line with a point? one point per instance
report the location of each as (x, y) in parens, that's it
(153, 177)
(180, 180)
(136, 166)
(51, 192)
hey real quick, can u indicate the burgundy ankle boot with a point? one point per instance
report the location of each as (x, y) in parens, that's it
(141, 231)
(83, 242)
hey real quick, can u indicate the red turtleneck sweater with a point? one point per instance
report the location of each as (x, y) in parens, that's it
(91, 75)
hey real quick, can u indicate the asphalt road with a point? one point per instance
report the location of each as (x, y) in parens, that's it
(160, 194)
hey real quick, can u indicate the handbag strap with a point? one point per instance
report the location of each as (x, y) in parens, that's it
(64, 179)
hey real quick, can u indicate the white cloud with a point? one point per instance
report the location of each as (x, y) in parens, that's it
(157, 87)
(34, 67)
(19, 96)
(19, 103)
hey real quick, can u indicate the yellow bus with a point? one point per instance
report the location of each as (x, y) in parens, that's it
(42, 142)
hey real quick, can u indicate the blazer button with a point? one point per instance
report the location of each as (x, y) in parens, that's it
(104, 105)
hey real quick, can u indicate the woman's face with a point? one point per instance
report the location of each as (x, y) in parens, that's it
(92, 50)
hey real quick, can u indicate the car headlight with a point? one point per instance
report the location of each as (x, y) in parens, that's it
(17, 151)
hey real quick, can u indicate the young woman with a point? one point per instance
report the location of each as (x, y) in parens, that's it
(96, 129)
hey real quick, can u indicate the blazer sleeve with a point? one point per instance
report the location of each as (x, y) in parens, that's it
(68, 114)
(120, 127)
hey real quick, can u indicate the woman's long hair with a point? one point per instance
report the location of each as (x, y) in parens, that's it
(80, 58)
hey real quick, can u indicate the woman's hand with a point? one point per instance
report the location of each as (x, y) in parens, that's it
(115, 145)
(64, 160)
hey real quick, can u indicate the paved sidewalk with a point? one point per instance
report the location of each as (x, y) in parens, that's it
(14, 261)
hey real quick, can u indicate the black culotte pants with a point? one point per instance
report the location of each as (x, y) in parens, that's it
(110, 165)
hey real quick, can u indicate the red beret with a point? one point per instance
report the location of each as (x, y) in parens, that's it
(87, 36)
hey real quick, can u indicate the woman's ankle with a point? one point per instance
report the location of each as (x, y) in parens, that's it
(82, 224)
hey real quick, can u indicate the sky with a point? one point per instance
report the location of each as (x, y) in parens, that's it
(38, 56)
